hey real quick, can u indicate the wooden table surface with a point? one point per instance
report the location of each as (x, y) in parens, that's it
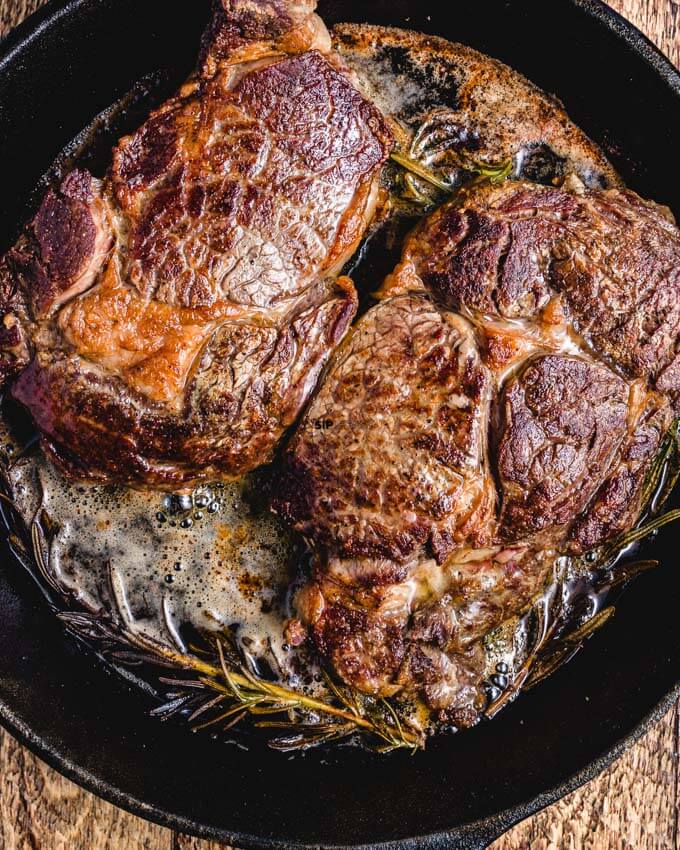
(632, 805)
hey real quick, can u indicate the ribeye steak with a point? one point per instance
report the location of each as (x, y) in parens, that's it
(392, 454)
(604, 264)
(168, 324)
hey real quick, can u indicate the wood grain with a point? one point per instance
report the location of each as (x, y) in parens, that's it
(13, 12)
(633, 806)
(659, 19)
(40, 810)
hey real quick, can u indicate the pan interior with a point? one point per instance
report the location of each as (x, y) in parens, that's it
(60, 699)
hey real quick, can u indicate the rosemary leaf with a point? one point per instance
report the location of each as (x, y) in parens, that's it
(421, 171)
(630, 571)
(205, 707)
(495, 173)
(545, 667)
(637, 534)
(588, 628)
(250, 695)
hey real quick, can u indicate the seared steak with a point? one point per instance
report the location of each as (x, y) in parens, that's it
(571, 429)
(499, 407)
(455, 105)
(448, 458)
(605, 263)
(392, 453)
(169, 323)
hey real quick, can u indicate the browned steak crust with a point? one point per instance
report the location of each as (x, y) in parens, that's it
(613, 260)
(391, 455)
(175, 317)
(618, 501)
(575, 445)
(169, 323)
(255, 210)
(245, 29)
(232, 417)
(63, 252)
(564, 421)
(419, 635)
(569, 298)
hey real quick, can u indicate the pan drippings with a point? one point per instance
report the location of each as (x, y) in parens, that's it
(164, 566)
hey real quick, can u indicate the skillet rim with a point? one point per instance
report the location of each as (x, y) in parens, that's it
(472, 836)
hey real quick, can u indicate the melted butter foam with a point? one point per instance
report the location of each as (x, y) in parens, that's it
(165, 566)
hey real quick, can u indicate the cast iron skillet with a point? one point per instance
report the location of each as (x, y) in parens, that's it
(56, 73)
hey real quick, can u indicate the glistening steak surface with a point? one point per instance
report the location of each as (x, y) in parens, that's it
(576, 440)
(169, 323)
(567, 416)
(391, 455)
(606, 263)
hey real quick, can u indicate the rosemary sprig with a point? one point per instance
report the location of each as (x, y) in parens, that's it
(420, 170)
(224, 692)
(656, 470)
(29, 542)
(659, 483)
(564, 650)
(622, 542)
(213, 687)
(494, 173)
(664, 472)
(413, 191)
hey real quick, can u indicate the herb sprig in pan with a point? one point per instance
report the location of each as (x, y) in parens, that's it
(433, 143)
(223, 692)
(556, 637)
(212, 686)
(494, 173)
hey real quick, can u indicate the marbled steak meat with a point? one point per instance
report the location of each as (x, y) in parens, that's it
(502, 402)
(167, 324)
